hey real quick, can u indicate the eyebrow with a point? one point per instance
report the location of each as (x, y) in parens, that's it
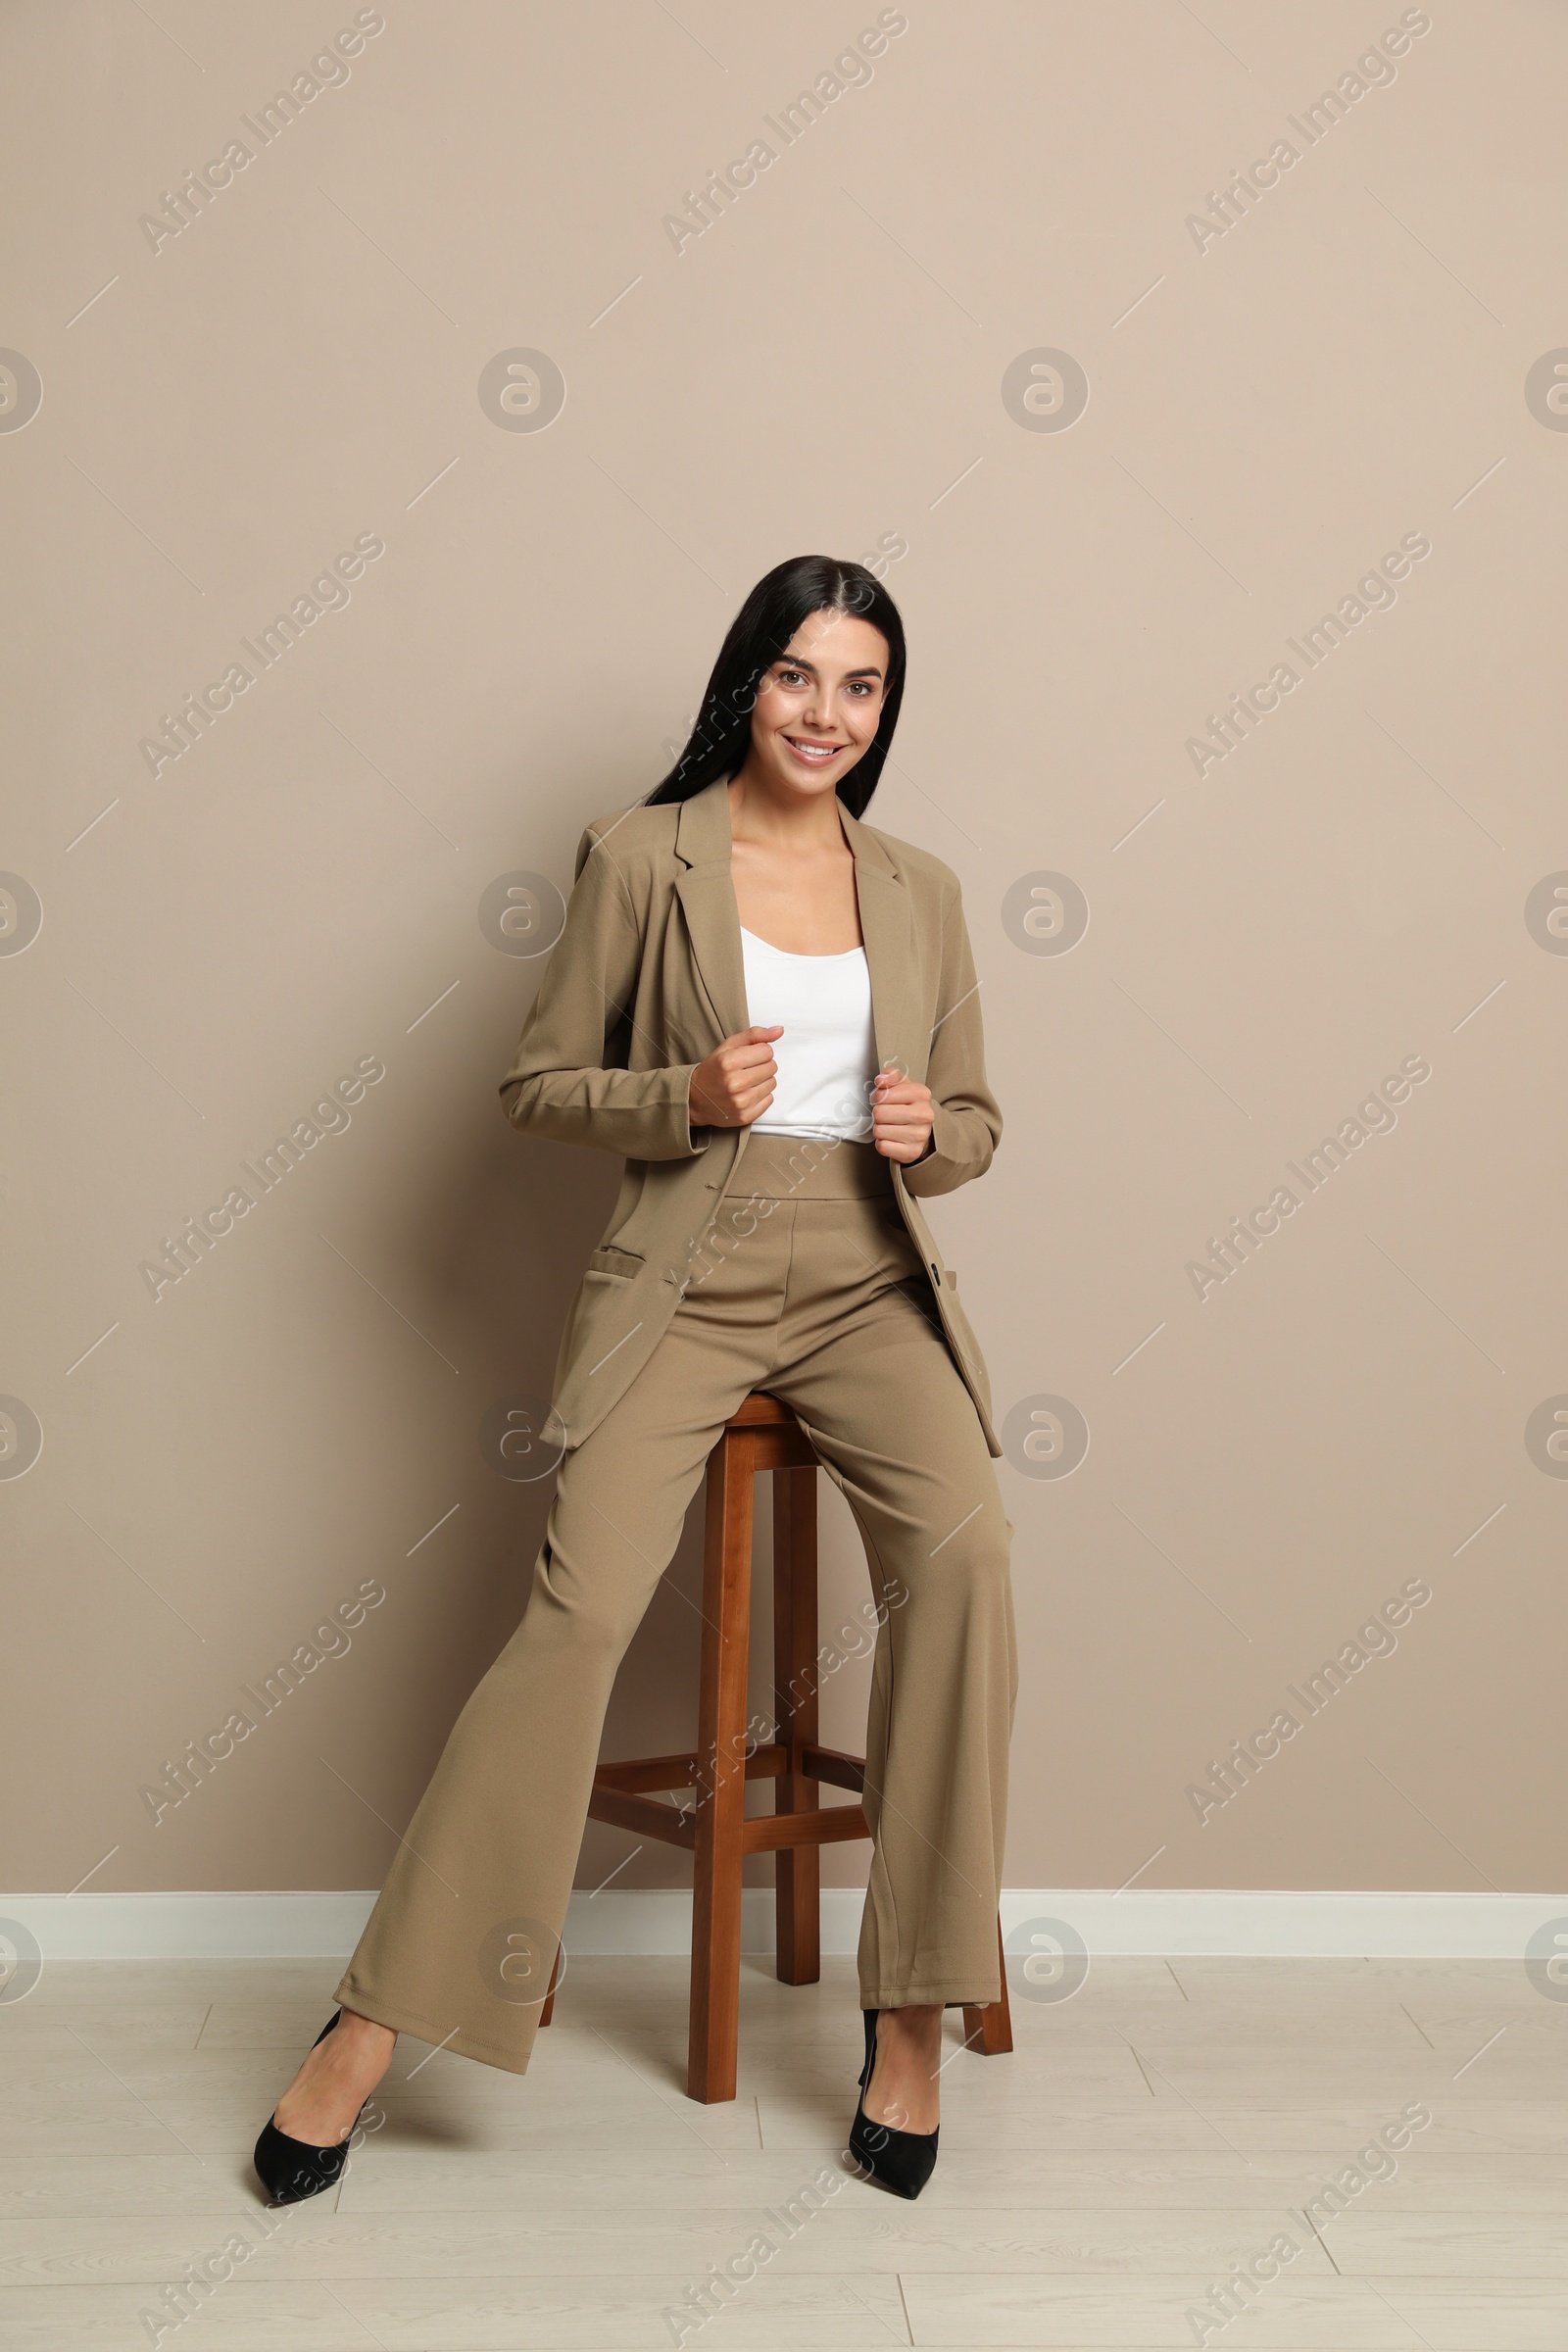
(797, 661)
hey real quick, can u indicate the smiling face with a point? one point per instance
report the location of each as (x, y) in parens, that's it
(818, 707)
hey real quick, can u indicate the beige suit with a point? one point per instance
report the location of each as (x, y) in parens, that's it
(645, 981)
(734, 1260)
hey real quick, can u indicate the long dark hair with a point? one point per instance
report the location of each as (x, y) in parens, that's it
(762, 629)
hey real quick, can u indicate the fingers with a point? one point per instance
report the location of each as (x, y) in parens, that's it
(731, 1090)
(746, 1056)
(736, 1082)
(740, 1111)
(900, 1116)
(752, 1088)
(891, 1086)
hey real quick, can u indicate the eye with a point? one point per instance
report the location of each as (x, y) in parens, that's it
(785, 677)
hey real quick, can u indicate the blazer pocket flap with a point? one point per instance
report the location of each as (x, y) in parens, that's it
(622, 1262)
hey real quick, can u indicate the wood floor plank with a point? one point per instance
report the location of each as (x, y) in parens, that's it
(1307, 2314)
(552, 2187)
(1376, 2243)
(855, 2233)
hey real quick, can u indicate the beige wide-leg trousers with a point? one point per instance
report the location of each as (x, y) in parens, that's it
(816, 1295)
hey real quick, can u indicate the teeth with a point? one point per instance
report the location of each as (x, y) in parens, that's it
(814, 751)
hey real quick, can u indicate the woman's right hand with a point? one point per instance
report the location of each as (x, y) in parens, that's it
(735, 1083)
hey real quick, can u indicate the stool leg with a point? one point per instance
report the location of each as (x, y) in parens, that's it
(721, 1747)
(989, 2029)
(547, 2009)
(799, 1931)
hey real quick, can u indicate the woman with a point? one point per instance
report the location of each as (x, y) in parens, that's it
(770, 1011)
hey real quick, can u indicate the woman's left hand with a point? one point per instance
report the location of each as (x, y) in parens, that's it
(900, 1116)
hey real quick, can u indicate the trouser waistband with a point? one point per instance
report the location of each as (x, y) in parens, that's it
(808, 1167)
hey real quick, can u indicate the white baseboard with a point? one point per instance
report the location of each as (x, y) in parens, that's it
(1152, 1922)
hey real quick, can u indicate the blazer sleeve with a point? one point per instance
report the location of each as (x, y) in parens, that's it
(569, 1078)
(965, 1116)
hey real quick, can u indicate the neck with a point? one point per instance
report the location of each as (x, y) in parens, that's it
(761, 811)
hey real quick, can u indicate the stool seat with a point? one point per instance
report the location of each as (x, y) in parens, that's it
(764, 1434)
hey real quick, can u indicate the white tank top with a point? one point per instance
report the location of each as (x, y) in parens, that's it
(828, 1054)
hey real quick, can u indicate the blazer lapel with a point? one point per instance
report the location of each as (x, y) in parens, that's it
(707, 893)
(887, 928)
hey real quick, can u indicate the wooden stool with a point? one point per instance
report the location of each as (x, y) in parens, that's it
(764, 1435)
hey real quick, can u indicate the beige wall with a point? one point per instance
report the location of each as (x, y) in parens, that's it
(1270, 412)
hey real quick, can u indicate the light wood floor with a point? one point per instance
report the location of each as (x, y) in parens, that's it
(1163, 2127)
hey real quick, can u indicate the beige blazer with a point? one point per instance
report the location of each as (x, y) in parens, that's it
(645, 980)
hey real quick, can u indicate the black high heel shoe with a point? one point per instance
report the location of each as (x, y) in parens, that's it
(901, 2161)
(291, 2170)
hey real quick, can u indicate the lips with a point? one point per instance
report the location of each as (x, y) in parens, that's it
(815, 754)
